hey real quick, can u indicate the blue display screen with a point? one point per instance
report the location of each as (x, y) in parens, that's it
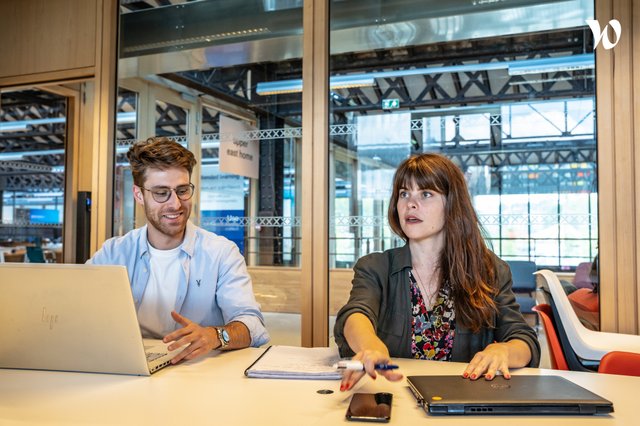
(44, 216)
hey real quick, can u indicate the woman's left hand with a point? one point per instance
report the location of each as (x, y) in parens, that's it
(494, 359)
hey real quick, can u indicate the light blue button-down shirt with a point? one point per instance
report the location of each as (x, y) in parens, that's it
(214, 289)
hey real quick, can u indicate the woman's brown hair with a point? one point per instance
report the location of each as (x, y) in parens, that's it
(465, 262)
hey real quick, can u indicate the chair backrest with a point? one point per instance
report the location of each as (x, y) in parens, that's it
(558, 362)
(588, 345)
(586, 303)
(574, 363)
(619, 362)
(522, 273)
(35, 255)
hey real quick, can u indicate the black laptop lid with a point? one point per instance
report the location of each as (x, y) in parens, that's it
(519, 395)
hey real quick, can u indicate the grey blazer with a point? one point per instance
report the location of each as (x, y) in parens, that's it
(381, 292)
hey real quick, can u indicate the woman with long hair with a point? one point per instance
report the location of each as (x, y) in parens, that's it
(443, 295)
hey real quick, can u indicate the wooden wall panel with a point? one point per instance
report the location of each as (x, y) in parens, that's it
(104, 107)
(624, 167)
(630, 300)
(45, 36)
(618, 159)
(634, 35)
(606, 179)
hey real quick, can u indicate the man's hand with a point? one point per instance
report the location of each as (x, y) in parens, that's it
(200, 340)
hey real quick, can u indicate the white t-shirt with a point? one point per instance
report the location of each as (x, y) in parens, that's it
(159, 298)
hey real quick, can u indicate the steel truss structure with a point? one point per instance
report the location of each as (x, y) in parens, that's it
(428, 92)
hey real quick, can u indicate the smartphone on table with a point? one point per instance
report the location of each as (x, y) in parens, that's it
(370, 407)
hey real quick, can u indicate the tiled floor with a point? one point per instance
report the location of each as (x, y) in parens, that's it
(285, 330)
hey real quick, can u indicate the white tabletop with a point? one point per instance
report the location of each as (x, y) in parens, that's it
(213, 390)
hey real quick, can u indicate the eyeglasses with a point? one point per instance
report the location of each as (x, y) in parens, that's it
(162, 194)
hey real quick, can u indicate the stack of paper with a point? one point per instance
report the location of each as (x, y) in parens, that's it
(292, 362)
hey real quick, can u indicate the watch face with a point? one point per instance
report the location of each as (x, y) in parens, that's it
(225, 336)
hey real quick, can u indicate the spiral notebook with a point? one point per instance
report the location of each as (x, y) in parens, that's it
(293, 362)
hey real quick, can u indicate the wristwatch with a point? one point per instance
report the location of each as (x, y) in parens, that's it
(223, 336)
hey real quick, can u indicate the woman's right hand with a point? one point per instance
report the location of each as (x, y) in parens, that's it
(369, 359)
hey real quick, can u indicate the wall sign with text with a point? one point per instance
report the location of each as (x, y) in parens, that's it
(238, 155)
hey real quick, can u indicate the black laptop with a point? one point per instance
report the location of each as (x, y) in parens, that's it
(528, 395)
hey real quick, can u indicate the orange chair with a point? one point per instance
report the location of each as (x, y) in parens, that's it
(586, 303)
(619, 362)
(558, 361)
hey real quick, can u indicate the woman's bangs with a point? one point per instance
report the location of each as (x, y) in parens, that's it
(421, 175)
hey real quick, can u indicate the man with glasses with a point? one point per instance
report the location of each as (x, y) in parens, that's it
(190, 286)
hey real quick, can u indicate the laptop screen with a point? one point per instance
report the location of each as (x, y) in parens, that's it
(69, 317)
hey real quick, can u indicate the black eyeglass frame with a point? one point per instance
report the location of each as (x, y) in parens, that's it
(155, 195)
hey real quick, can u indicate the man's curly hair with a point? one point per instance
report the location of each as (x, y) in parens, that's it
(158, 153)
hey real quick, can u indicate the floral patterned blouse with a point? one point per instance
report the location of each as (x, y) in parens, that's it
(434, 330)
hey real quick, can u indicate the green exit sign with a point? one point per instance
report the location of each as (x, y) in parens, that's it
(390, 103)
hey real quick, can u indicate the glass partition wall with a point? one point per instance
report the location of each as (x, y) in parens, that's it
(191, 71)
(505, 89)
(33, 135)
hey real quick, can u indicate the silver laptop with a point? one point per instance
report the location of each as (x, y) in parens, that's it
(528, 395)
(73, 318)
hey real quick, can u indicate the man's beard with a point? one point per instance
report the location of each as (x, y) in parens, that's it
(155, 219)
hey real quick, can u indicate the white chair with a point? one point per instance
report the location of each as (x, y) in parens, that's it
(587, 344)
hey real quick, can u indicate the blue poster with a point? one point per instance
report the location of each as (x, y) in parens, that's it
(222, 204)
(227, 223)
